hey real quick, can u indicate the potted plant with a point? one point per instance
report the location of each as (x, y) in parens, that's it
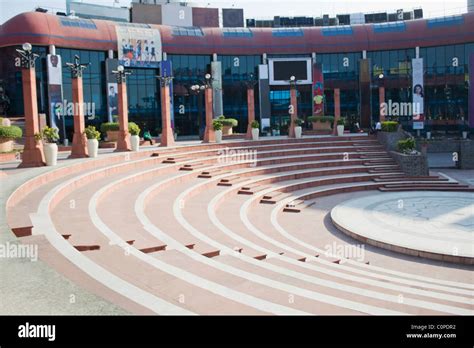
(321, 122)
(465, 129)
(50, 136)
(111, 129)
(340, 126)
(227, 124)
(389, 126)
(275, 130)
(134, 131)
(217, 126)
(176, 133)
(298, 129)
(93, 137)
(7, 135)
(255, 130)
(407, 146)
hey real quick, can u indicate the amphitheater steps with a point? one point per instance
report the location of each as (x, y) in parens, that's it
(190, 246)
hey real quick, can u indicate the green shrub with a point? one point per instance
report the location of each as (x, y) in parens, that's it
(133, 128)
(50, 135)
(323, 119)
(10, 132)
(341, 121)
(230, 122)
(255, 124)
(109, 126)
(389, 126)
(92, 133)
(298, 122)
(217, 125)
(406, 145)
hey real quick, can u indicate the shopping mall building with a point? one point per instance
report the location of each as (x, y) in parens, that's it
(358, 60)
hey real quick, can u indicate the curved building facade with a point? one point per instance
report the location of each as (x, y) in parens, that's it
(358, 60)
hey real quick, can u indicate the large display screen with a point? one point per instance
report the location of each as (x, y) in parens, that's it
(281, 69)
(284, 70)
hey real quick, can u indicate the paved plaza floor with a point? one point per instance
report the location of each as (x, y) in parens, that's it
(437, 223)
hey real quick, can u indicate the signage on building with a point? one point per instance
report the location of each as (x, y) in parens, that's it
(139, 47)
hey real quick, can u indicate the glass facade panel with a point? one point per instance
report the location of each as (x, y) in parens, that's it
(189, 108)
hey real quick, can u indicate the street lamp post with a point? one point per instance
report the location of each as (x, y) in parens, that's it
(293, 107)
(337, 109)
(79, 140)
(250, 84)
(382, 97)
(209, 135)
(33, 150)
(197, 90)
(123, 140)
(167, 138)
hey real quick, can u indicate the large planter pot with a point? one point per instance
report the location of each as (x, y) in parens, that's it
(112, 135)
(255, 133)
(50, 153)
(340, 130)
(464, 135)
(135, 142)
(218, 134)
(92, 147)
(321, 126)
(428, 135)
(298, 132)
(227, 130)
(6, 145)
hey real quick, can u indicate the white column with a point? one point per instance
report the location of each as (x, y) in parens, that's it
(52, 50)
(417, 52)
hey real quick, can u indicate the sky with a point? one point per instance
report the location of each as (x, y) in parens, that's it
(266, 9)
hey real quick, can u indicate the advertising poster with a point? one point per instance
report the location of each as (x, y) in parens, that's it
(55, 90)
(318, 90)
(418, 93)
(139, 47)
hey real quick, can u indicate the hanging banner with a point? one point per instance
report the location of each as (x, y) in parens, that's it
(166, 69)
(264, 95)
(216, 73)
(471, 91)
(112, 89)
(418, 93)
(55, 91)
(139, 47)
(318, 90)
